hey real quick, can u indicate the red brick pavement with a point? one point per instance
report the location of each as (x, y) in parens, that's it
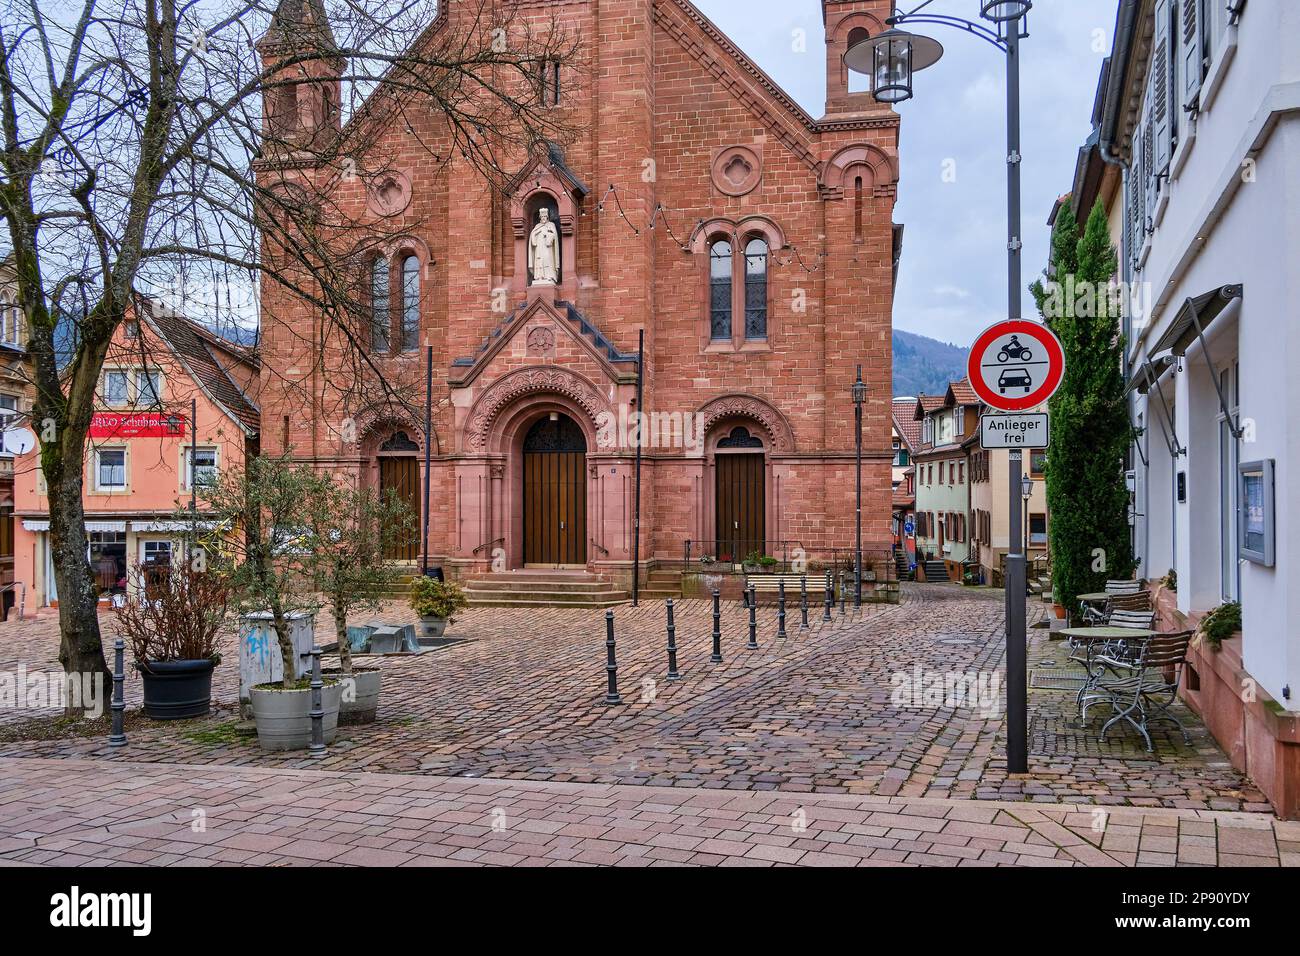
(120, 813)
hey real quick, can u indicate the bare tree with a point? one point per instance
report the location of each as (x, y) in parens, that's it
(152, 144)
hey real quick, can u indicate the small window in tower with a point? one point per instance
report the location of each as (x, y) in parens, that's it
(720, 290)
(410, 304)
(379, 306)
(756, 289)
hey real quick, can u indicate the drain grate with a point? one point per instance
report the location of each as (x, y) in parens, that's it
(1046, 680)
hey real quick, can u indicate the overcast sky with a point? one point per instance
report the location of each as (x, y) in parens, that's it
(952, 282)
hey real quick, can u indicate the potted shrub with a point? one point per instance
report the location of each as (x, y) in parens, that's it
(351, 530)
(271, 572)
(1220, 624)
(436, 602)
(753, 562)
(707, 561)
(767, 563)
(173, 622)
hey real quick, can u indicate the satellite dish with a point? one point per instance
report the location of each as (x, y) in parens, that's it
(19, 441)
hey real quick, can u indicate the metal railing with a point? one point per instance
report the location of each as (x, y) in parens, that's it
(21, 588)
(736, 550)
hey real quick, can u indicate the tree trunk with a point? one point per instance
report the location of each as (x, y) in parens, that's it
(288, 659)
(81, 649)
(341, 630)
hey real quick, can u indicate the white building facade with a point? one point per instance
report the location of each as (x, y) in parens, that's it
(1202, 108)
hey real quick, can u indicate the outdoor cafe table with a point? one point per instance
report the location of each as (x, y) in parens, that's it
(1097, 597)
(1092, 636)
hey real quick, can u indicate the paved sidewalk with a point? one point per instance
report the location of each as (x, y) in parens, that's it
(72, 812)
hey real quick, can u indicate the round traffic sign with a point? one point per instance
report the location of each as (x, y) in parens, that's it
(1016, 365)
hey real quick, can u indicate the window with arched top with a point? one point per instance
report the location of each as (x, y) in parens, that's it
(756, 289)
(380, 329)
(720, 273)
(410, 304)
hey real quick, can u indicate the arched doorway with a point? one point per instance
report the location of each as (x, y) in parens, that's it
(740, 499)
(399, 472)
(555, 493)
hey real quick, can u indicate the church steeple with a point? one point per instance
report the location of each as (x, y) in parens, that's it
(300, 102)
(846, 22)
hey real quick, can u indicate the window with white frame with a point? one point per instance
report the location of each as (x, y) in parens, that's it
(110, 469)
(115, 387)
(200, 465)
(148, 387)
(8, 410)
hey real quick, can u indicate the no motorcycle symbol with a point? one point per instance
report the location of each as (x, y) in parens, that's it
(1016, 365)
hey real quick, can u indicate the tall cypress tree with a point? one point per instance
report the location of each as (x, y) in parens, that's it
(1091, 433)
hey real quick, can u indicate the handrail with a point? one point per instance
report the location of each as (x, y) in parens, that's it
(486, 544)
(600, 547)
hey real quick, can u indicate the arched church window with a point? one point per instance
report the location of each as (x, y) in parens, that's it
(720, 269)
(740, 437)
(410, 304)
(379, 306)
(756, 289)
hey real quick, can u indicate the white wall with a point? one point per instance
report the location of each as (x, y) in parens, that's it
(1233, 221)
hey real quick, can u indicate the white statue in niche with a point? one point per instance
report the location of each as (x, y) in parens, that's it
(544, 250)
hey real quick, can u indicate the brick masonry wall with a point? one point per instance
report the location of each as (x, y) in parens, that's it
(654, 86)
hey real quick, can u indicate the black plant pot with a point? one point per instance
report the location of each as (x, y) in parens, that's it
(177, 689)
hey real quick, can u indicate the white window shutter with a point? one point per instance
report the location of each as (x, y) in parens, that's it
(1162, 120)
(1190, 45)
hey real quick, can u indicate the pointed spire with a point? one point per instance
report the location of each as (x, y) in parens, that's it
(298, 23)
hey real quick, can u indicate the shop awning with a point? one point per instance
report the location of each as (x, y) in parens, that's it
(171, 527)
(31, 524)
(1194, 318)
(101, 527)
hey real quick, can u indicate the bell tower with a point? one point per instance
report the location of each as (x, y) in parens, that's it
(847, 22)
(300, 102)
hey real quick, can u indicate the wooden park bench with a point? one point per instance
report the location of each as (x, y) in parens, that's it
(768, 586)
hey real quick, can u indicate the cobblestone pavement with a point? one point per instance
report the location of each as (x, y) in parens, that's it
(120, 813)
(522, 699)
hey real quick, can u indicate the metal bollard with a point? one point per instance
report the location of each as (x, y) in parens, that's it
(828, 596)
(317, 712)
(803, 602)
(672, 645)
(841, 594)
(753, 620)
(118, 737)
(611, 665)
(716, 656)
(780, 611)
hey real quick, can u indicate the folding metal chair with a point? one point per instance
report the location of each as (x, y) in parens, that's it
(1146, 685)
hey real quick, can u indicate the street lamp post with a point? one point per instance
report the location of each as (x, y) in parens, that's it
(890, 59)
(859, 396)
(1026, 492)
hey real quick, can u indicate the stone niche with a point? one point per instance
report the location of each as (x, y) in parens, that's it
(541, 186)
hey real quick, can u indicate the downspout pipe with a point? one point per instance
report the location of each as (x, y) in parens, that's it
(1125, 27)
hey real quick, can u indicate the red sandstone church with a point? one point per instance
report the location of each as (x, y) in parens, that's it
(767, 278)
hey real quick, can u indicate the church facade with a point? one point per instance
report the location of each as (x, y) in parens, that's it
(703, 220)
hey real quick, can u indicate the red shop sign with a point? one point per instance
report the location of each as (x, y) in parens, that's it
(136, 425)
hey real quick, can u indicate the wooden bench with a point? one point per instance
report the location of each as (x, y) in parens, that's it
(769, 586)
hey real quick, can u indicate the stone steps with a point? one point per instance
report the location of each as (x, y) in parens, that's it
(539, 587)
